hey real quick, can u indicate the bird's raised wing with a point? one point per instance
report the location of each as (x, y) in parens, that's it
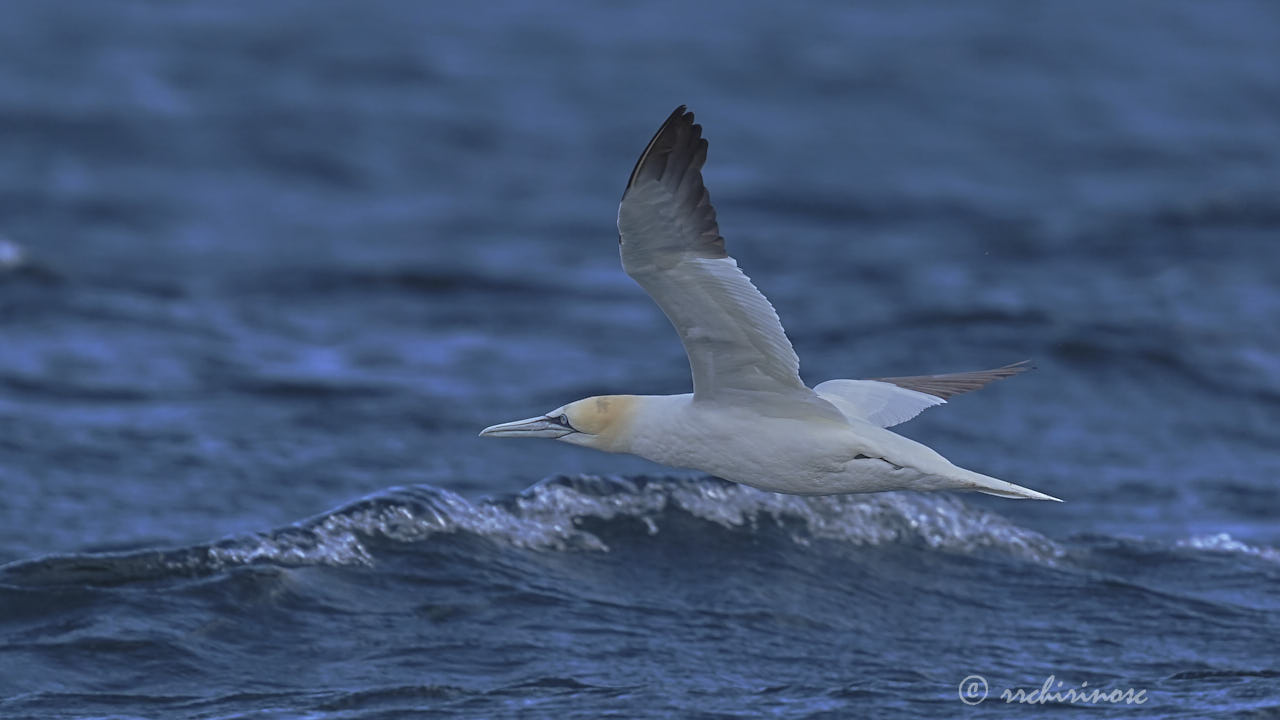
(671, 245)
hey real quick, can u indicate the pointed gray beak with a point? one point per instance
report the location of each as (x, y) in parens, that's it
(535, 427)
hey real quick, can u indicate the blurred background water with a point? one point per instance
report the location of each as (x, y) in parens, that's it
(259, 261)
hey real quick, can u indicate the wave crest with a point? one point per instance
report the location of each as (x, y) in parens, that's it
(1224, 543)
(554, 515)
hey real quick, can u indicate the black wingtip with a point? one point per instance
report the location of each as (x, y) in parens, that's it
(680, 114)
(949, 384)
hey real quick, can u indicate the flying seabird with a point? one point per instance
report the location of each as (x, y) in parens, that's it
(750, 418)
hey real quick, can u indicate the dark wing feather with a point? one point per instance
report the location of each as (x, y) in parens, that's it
(947, 385)
(673, 160)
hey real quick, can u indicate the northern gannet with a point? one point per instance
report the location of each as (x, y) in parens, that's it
(750, 418)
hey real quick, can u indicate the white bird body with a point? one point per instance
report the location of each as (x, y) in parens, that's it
(777, 452)
(750, 418)
(781, 454)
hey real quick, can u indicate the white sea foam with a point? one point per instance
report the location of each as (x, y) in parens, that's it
(1224, 543)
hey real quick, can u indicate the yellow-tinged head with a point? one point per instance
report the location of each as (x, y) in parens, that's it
(599, 422)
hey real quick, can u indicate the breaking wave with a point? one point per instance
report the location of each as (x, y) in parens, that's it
(562, 514)
(584, 514)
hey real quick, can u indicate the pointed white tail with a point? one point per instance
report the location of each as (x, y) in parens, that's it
(991, 486)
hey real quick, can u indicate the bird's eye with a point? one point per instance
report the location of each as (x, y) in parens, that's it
(564, 420)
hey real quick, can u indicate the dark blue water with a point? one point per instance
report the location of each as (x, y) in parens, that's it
(262, 261)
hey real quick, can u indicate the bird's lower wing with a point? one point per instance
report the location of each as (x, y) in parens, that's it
(889, 401)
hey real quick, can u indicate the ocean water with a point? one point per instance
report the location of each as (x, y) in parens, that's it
(267, 268)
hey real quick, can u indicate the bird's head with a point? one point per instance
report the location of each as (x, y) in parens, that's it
(599, 422)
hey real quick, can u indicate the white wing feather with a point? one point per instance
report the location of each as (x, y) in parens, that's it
(879, 403)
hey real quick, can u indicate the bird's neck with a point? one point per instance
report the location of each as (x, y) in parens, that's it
(634, 423)
(650, 423)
